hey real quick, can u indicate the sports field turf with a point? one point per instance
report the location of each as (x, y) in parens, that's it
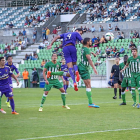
(109, 122)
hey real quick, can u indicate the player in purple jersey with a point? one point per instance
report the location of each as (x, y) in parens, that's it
(5, 88)
(64, 68)
(12, 67)
(70, 52)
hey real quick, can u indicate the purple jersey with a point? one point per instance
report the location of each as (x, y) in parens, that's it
(12, 67)
(64, 68)
(5, 73)
(70, 37)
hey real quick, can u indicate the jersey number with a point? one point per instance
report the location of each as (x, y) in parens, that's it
(68, 36)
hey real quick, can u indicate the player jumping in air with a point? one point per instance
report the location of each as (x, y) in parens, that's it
(83, 69)
(134, 63)
(12, 67)
(115, 71)
(126, 79)
(70, 52)
(52, 66)
(5, 88)
(64, 68)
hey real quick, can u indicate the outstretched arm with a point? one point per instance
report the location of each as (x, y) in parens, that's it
(13, 76)
(91, 63)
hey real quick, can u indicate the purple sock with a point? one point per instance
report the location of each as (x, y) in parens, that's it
(75, 68)
(7, 99)
(72, 74)
(12, 104)
(65, 88)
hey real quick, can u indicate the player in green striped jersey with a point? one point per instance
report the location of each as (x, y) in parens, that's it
(83, 70)
(134, 63)
(126, 79)
(52, 81)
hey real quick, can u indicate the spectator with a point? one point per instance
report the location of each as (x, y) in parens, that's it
(138, 13)
(38, 18)
(88, 30)
(59, 30)
(25, 75)
(26, 57)
(1, 51)
(111, 82)
(41, 18)
(46, 42)
(47, 31)
(96, 43)
(24, 32)
(73, 30)
(119, 36)
(108, 51)
(122, 51)
(35, 57)
(110, 28)
(93, 29)
(13, 33)
(35, 77)
(20, 34)
(20, 42)
(98, 51)
(43, 63)
(98, 62)
(115, 19)
(101, 29)
(117, 29)
(23, 45)
(119, 13)
(26, 40)
(30, 20)
(136, 35)
(103, 40)
(54, 31)
(11, 25)
(92, 17)
(42, 45)
(122, 35)
(43, 34)
(26, 21)
(93, 39)
(7, 26)
(123, 17)
(34, 35)
(85, 30)
(68, 30)
(131, 45)
(131, 34)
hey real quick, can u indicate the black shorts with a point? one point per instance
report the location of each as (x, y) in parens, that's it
(117, 81)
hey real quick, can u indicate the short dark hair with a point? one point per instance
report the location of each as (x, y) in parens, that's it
(53, 54)
(9, 56)
(79, 29)
(134, 49)
(86, 40)
(1, 58)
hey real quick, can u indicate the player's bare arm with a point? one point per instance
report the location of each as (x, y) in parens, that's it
(17, 75)
(126, 66)
(91, 63)
(93, 54)
(13, 76)
(44, 76)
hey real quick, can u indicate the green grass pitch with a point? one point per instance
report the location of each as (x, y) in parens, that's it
(109, 122)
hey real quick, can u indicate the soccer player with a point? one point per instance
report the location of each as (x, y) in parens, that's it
(64, 68)
(5, 88)
(115, 71)
(70, 52)
(83, 69)
(126, 80)
(134, 63)
(52, 66)
(12, 67)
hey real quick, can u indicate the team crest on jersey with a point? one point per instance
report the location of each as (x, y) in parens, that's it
(6, 70)
(137, 60)
(57, 66)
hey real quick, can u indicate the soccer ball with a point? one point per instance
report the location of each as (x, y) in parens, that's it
(109, 36)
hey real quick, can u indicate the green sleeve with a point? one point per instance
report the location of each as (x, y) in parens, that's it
(46, 66)
(87, 51)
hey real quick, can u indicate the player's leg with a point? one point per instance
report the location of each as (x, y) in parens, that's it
(46, 91)
(138, 86)
(1, 110)
(7, 102)
(67, 85)
(120, 89)
(115, 89)
(133, 85)
(89, 94)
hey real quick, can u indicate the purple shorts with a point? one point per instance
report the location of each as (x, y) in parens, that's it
(6, 90)
(70, 54)
(66, 78)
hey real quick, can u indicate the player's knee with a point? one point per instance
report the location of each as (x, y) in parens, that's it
(62, 90)
(46, 92)
(10, 98)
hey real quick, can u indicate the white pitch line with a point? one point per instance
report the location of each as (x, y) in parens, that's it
(75, 134)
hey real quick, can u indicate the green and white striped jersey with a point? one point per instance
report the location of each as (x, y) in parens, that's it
(127, 72)
(50, 66)
(84, 61)
(134, 64)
